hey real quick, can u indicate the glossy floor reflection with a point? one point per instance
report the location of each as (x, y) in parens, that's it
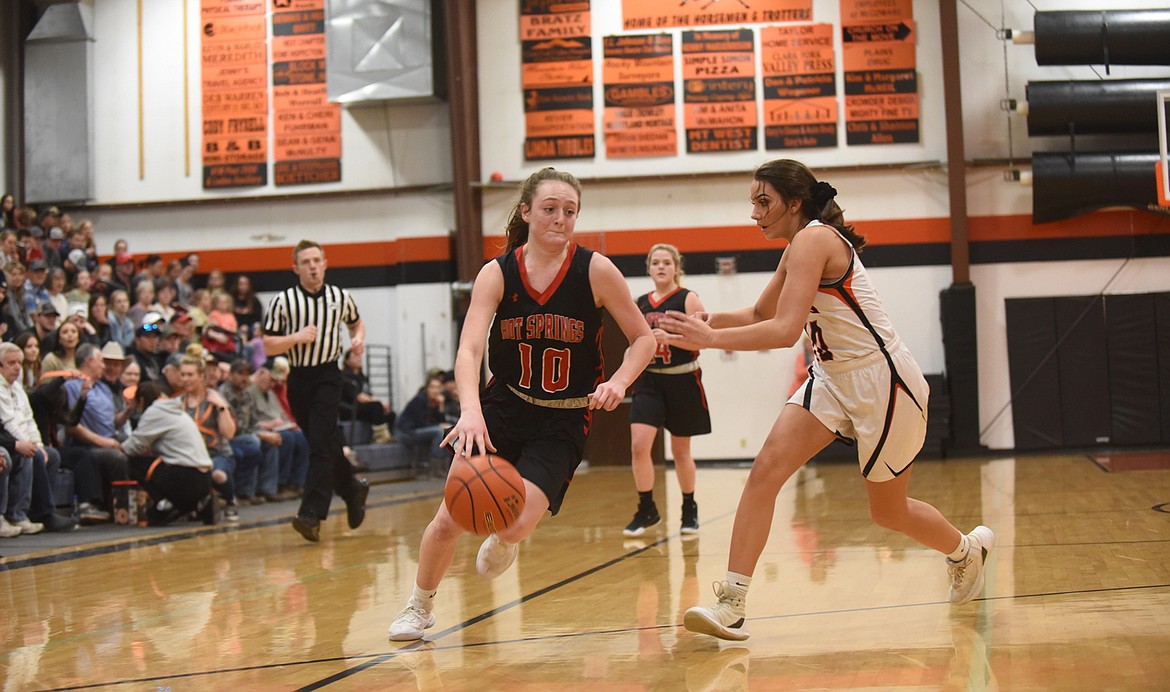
(1077, 596)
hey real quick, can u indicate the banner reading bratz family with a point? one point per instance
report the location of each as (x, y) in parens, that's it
(557, 77)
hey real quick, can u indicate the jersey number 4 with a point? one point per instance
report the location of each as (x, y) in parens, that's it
(554, 368)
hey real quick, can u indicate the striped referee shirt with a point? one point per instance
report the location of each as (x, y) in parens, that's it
(329, 309)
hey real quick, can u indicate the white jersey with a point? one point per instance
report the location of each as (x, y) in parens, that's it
(864, 385)
(847, 320)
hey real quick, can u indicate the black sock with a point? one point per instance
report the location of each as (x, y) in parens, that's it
(646, 499)
(688, 498)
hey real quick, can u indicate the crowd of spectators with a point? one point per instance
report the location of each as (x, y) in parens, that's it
(81, 336)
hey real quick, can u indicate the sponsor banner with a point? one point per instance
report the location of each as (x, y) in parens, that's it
(307, 172)
(308, 22)
(539, 148)
(235, 77)
(234, 82)
(556, 75)
(639, 118)
(875, 11)
(800, 86)
(308, 146)
(307, 128)
(719, 90)
(881, 72)
(540, 21)
(296, 97)
(293, 48)
(317, 120)
(233, 28)
(642, 15)
(212, 9)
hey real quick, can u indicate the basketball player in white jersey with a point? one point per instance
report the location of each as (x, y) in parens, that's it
(864, 387)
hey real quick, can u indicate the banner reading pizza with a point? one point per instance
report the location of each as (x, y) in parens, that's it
(234, 61)
(639, 15)
(307, 127)
(557, 77)
(881, 72)
(719, 91)
(639, 96)
(800, 86)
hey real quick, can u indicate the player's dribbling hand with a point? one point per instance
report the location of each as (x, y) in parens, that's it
(468, 434)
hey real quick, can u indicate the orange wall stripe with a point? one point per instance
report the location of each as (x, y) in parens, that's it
(732, 238)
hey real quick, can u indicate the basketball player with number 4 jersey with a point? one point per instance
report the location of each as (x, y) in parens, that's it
(864, 387)
(668, 394)
(539, 305)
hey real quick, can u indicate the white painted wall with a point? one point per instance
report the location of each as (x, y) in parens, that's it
(390, 146)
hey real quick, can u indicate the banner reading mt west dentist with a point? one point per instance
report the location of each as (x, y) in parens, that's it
(719, 91)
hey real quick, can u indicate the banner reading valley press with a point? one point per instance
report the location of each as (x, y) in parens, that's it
(800, 86)
(307, 127)
(556, 74)
(234, 59)
(639, 96)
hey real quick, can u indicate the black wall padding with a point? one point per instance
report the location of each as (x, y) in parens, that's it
(1035, 382)
(1133, 366)
(1121, 106)
(1066, 185)
(1084, 371)
(1106, 37)
(961, 353)
(1162, 347)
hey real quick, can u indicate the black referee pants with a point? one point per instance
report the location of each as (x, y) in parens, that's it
(314, 394)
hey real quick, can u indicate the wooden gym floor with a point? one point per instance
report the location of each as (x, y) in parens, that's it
(1077, 594)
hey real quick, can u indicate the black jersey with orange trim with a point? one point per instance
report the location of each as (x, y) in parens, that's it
(665, 354)
(547, 345)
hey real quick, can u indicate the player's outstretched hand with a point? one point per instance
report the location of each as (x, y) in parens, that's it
(687, 331)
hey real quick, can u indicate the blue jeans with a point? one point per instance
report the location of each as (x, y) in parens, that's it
(426, 438)
(294, 457)
(16, 495)
(227, 464)
(258, 465)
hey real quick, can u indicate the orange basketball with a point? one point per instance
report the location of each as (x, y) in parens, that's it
(484, 493)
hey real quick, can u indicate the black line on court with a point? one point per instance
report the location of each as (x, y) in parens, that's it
(20, 563)
(337, 677)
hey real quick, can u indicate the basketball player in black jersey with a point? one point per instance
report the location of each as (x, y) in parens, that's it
(668, 394)
(546, 294)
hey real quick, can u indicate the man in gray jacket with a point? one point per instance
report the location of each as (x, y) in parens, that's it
(167, 456)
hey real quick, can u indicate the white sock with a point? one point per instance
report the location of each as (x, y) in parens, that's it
(739, 582)
(423, 597)
(960, 552)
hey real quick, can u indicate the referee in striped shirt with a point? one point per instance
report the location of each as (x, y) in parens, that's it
(305, 322)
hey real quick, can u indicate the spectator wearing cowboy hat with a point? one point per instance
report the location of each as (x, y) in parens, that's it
(97, 433)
